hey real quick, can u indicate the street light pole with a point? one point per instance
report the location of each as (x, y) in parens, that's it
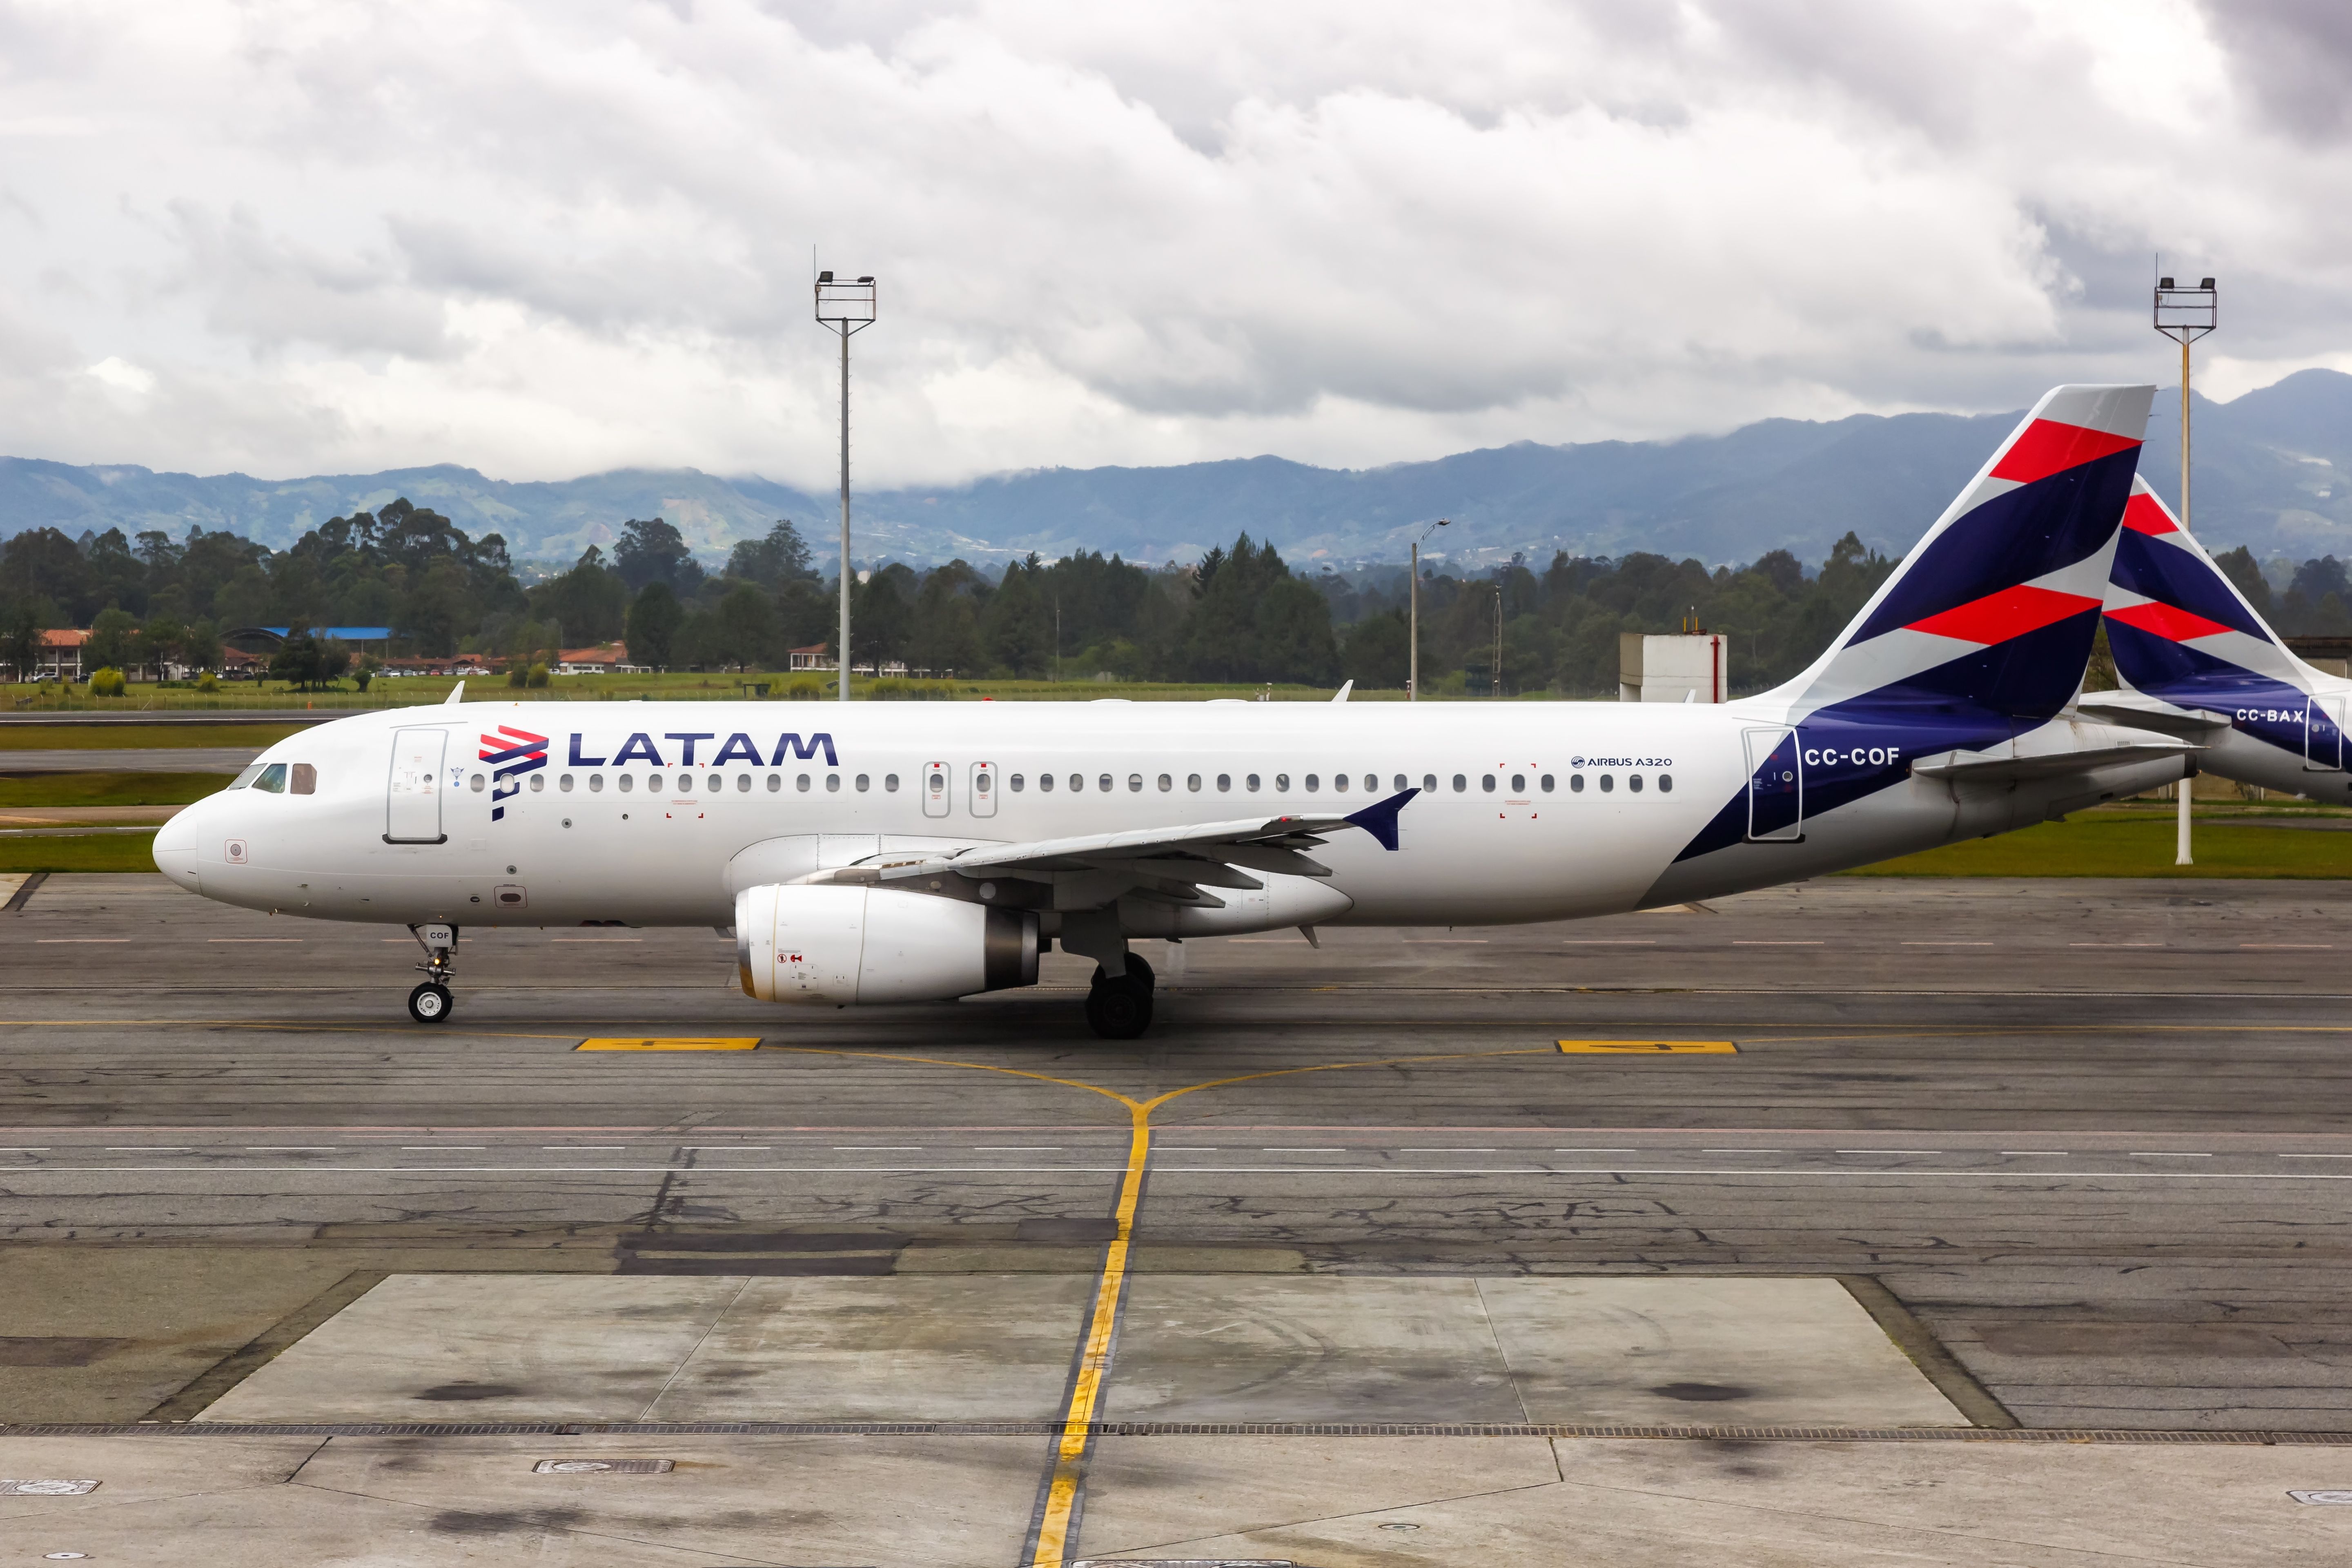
(2185, 315)
(847, 308)
(1412, 672)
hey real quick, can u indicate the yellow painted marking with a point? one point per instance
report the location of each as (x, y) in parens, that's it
(1650, 1047)
(676, 1043)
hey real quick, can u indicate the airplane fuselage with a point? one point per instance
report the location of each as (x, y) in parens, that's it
(538, 814)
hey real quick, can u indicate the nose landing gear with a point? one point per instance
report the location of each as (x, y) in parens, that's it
(431, 1001)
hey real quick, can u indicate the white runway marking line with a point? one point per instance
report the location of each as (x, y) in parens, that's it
(879, 1148)
(1609, 941)
(1948, 944)
(2316, 1156)
(1596, 1151)
(2115, 944)
(2298, 946)
(1270, 1150)
(1886, 1150)
(2037, 1153)
(1743, 1151)
(1017, 1148)
(253, 938)
(444, 1148)
(1761, 941)
(293, 1149)
(2164, 1154)
(54, 940)
(1449, 1151)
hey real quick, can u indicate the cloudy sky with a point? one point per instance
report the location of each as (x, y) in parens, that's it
(553, 238)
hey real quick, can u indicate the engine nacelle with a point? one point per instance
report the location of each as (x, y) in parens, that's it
(839, 945)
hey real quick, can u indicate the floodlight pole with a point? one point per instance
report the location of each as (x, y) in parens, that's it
(2186, 315)
(1412, 668)
(847, 308)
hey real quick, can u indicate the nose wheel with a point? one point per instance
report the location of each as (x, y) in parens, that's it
(431, 1001)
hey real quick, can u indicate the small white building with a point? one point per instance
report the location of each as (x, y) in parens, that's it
(1694, 666)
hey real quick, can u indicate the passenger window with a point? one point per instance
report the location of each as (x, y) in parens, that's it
(1252, 784)
(1607, 783)
(833, 782)
(273, 779)
(1313, 784)
(1078, 782)
(1486, 782)
(802, 783)
(1545, 783)
(1665, 784)
(306, 779)
(1339, 782)
(1224, 783)
(775, 782)
(538, 783)
(890, 782)
(1576, 784)
(938, 783)
(1518, 783)
(980, 783)
(1633, 783)
(1372, 784)
(1046, 782)
(626, 782)
(1193, 782)
(864, 782)
(1135, 784)
(595, 784)
(1460, 783)
(743, 782)
(478, 783)
(1019, 783)
(564, 784)
(1428, 783)
(1166, 784)
(654, 783)
(714, 784)
(1282, 784)
(1103, 784)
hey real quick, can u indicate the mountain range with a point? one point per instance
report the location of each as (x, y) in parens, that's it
(2273, 470)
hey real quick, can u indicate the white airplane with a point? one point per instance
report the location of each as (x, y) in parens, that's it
(882, 853)
(2198, 661)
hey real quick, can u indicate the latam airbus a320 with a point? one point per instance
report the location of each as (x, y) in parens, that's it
(869, 853)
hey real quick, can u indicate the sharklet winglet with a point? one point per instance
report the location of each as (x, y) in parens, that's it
(1379, 818)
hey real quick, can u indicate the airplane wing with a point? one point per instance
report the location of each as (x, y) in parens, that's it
(1173, 863)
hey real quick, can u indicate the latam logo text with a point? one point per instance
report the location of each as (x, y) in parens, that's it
(1858, 756)
(737, 748)
(512, 752)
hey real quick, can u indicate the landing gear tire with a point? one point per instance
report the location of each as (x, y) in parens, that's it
(1137, 970)
(430, 1004)
(1119, 1009)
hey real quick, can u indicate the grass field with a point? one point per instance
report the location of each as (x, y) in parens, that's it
(80, 852)
(2133, 844)
(136, 737)
(26, 790)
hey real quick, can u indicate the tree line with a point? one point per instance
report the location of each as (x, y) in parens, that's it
(1240, 615)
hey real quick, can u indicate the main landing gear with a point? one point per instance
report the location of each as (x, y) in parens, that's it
(1120, 1008)
(431, 1001)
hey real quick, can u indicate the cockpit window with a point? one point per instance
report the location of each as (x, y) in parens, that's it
(305, 779)
(272, 779)
(246, 778)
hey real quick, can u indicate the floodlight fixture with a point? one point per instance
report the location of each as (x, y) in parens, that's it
(2185, 315)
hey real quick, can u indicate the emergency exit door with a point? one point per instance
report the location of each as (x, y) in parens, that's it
(983, 799)
(937, 790)
(413, 796)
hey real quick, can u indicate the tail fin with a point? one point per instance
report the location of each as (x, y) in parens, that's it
(1985, 629)
(2180, 629)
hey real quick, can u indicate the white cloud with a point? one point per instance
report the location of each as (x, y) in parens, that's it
(543, 240)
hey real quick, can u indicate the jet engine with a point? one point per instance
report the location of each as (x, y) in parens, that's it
(837, 945)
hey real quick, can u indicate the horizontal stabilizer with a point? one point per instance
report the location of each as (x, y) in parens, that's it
(2055, 751)
(2140, 711)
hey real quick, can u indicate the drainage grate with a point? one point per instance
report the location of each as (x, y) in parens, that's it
(604, 1467)
(47, 1488)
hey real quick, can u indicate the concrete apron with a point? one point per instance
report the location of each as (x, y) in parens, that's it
(1333, 1503)
(443, 1347)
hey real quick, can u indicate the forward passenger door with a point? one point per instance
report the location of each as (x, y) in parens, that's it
(412, 795)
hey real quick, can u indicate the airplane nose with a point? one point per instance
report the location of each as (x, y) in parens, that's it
(175, 846)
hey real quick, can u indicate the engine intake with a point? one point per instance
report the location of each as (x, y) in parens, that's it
(838, 946)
